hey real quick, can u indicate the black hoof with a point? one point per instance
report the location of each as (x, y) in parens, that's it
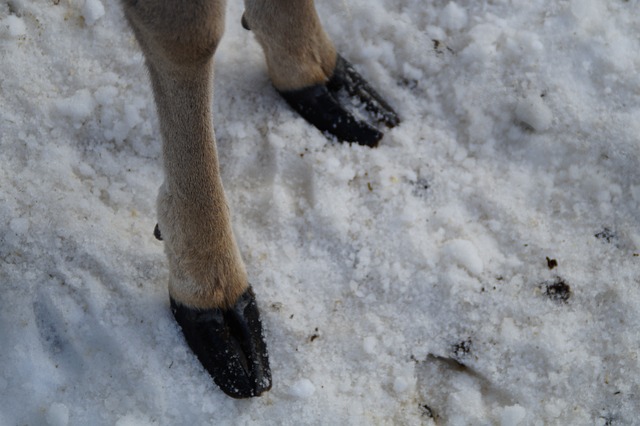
(229, 344)
(319, 106)
(156, 233)
(244, 23)
(347, 78)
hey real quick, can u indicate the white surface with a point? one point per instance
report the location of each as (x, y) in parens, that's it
(92, 11)
(432, 246)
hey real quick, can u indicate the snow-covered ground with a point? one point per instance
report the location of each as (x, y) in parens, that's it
(480, 267)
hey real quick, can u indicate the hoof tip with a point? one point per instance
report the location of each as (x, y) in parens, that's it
(229, 344)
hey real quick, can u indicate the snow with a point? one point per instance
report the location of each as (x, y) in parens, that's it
(77, 107)
(453, 17)
(57, 415)
(92, 11)
(13, 26)
(533, 112)
(302, 389)
(421, 267)
(512, 416)
(464, 254)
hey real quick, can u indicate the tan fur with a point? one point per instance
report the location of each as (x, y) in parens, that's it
(298, 51)
(179, 39)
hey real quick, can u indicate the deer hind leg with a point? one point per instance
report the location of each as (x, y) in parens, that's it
(306, 70)
(210, 296)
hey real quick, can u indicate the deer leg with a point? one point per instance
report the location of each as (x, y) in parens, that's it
(210, 297)
(306, 70)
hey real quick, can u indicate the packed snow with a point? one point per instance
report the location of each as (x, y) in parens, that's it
(481, 267)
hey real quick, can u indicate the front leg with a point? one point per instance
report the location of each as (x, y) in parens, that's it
(209, 293)
(308, 73)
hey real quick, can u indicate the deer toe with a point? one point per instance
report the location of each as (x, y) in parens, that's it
(345, 77)
(322, 106)
(230, 344)
(322, 109)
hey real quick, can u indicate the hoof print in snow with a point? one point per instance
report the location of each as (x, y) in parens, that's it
(229, 344)
(558, 290)
(606, 235)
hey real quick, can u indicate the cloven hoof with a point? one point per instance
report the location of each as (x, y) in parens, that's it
(319, 105)
(230, 345)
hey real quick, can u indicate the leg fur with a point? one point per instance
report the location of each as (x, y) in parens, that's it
(298, 51)
(179, 40)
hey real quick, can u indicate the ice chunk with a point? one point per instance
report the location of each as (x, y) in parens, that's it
(92, 11)
(453, 17)
(533, 112)
(512, 416)
(77, 107)
(106, 95)
(465, 254)
(57, 415)
(134, 419)
(401, 385)
(19, 225)
(302, 389)
(15, 26)
(369, 344)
